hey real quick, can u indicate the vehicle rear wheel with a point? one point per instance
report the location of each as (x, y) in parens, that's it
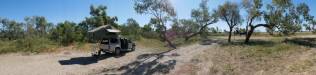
(96, 54)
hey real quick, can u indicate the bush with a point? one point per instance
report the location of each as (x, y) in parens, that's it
(29, 44)
(7, 46)
(151, 35)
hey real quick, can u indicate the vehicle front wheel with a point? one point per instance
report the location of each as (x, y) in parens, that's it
(133, 48)
(117, 51)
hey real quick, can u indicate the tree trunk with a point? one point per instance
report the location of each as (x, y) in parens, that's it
(230, 34)
(170, 44)
(252, 28)
(249, 33)
(247, 28)
(190, 36)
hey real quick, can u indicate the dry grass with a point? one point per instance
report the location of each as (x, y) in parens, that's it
(151, 44)
(268, 56)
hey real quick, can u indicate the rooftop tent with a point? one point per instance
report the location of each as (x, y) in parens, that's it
(105, 31)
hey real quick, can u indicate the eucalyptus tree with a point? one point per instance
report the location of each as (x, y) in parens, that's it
(161, 11)
(229, 12)
(65, 33)
(253, 8)
(98, 18)
(11, 29)
(203, 18)
(131, 29)
(37, 25)
(285, 17)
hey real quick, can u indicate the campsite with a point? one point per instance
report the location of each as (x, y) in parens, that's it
(158, 37)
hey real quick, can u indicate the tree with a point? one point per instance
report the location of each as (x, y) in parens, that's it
(215, 30)
(229, 12)
(203, 18)
(185, 27)
(98, 18)
(131, 29)
(286, 17)
(11, 29)
(147, 28)
(66, 33)
(312, 26)
(303, 9)
(254, 13)
(147, 31)
(161, 10)
(37, 25)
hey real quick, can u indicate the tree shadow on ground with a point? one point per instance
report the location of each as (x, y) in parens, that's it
(309, 42)
(146, 64)
(255, 42)
(88, 60)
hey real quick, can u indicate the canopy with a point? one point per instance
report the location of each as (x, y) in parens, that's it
(108, 28)
(103, 32)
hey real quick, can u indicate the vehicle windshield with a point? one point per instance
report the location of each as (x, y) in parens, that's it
(113, 40)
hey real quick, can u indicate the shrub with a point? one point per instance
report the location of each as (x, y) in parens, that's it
(29, 44)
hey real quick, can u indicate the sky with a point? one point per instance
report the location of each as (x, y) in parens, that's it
(57, 11)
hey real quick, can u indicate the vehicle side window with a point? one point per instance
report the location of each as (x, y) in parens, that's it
(104, 41)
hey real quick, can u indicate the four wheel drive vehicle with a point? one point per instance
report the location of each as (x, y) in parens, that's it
(108, 41)
(115, 46)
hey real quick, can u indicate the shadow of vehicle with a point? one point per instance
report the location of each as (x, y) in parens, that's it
(146, 64)
(88, 60)
(309, 42)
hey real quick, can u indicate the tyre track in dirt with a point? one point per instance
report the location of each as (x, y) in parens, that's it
(175, 62)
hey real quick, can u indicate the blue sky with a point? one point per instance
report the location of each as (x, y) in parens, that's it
(76, 10)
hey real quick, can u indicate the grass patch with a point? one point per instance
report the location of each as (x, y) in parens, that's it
(301, 66)
(267, 55)
(263, 51)
(151, 44)
(263, 48)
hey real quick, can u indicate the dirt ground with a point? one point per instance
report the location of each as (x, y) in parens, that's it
(70, 62)
(194, 59)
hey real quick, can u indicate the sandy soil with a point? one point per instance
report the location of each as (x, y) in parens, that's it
(71, 62)
(62, 63)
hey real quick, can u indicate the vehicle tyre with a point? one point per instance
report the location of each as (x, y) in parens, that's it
(96, 54)
(117, 51)
(133, 48)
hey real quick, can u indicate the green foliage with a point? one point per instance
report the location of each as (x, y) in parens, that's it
(148, 32)
(229, 12)
(185, 27)
(98, 18)
(10, 29)
(203, 19)
(286, 17)
(66, 33)
(131, 29)
(161, 10)
(215, 30)
(37, 25)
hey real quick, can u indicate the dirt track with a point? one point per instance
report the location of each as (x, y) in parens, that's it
(80, 63)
